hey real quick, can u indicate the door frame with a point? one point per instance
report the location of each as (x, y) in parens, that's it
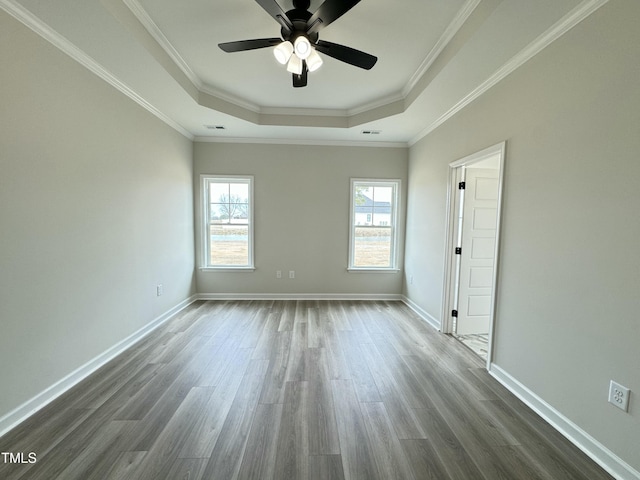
(450, 286)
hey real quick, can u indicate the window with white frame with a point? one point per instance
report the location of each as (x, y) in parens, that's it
(227, 221)
(374, 211)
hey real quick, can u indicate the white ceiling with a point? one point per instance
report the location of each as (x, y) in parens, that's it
(434, 57)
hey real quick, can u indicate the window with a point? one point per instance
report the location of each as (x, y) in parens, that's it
(228, 222)
(374, 210)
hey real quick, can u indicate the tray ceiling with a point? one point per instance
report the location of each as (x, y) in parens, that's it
(434, 57)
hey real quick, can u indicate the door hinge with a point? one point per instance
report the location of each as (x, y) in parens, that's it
(454, 313)
(461, 185)
(458, 250)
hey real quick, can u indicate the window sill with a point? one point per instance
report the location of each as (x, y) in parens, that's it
(227, 269)
(372, 270)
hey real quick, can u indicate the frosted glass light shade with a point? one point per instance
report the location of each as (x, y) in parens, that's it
(314, 62)
(302, 47)
(283, 52)
(295, 65)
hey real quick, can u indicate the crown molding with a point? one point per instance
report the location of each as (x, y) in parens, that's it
(28, 19)
(163, 42)
(376, 104)
(299, 141)
(229, 98)
(452, 29)
(566, 23)
(147, 22)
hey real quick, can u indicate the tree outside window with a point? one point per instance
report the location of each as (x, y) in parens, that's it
(228, 226)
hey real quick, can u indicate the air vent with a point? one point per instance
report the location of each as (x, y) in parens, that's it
(215, 127)
(371, 132)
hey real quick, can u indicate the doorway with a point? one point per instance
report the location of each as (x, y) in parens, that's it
(474, 206)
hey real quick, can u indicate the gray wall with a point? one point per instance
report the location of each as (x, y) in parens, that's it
(95, 210)
(301, 196)
(568, 297)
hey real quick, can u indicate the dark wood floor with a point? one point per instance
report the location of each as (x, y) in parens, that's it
(293, 390)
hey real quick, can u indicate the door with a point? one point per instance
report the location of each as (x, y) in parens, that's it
(478, 243)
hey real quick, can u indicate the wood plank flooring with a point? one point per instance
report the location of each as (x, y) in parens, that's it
(293, 390)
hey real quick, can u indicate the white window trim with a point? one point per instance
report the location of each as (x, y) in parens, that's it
(396, 183)
(204, 222)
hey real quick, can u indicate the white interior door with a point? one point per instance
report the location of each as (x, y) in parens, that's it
(478, 242)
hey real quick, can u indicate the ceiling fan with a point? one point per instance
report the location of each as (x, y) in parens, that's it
(299, 46)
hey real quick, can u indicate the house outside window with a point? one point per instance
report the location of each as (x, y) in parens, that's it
(227, 222)
(373, 233)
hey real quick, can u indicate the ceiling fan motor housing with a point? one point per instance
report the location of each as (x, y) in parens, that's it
(301, 4)
(299, 18)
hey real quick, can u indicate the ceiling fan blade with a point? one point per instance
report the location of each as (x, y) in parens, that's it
(242, 45)
(276, 11)
(301, 80)
(347, 54)
(328, 12)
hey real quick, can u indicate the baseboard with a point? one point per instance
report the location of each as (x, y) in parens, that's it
(299, 296)
(604, 457)
(431, 320)
(22, 412)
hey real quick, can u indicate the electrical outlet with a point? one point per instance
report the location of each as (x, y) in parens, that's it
(619, 396)
(278, 273)
(159, 290)
(292, 274)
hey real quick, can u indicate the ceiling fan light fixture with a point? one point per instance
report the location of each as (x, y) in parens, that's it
(283, 52)
(314, 62)
(298, 45)
(302, 47)
(295, 65)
